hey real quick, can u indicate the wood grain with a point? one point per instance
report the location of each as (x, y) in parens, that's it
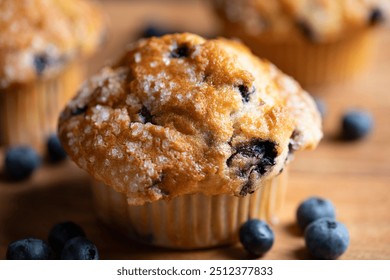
(355, 176)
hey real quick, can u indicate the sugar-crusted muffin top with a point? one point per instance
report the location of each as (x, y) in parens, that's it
(39, 37)
(180, 115)
(316, 20)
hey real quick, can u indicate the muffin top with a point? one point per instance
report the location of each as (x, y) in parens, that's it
(39, 37)
(316, 20)
(180, 115)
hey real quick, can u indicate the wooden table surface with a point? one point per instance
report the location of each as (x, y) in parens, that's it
(355, 176)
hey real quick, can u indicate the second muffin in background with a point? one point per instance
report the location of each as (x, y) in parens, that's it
(43, 45)
(190, 138)
(315, 41)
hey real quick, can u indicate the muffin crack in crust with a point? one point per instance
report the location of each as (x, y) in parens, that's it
(181, 115)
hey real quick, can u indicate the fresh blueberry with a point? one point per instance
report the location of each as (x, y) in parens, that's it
(79, 248)
(326, 239)
(54, 149)
(20, 162)
(29, 249)
(256, 237)
(63, 232)
(321, 106)
(356, 124)
(313, 209)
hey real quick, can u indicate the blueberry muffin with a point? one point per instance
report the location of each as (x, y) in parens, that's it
(189, 138)
(42, 44)
(315, 41)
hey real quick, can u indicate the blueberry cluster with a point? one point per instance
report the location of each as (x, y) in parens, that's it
(66, 241)
(325, 237)
(21, 161)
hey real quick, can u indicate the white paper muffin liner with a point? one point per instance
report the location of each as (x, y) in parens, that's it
(29, 112)
(189, 221)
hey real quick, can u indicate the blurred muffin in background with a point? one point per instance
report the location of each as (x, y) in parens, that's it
(42, 46)
(315, 41)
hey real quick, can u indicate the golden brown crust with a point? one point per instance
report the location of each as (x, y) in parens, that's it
(39, 37)
(315, 20)
(181, 114)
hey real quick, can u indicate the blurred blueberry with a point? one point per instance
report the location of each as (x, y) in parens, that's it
(155, 31)
(21, 162)
(326, 239)
(313, 209)
(356, 124)
(54, 149)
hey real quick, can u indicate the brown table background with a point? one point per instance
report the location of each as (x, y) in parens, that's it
(355, 176)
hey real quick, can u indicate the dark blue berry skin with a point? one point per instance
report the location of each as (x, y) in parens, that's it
(312, 209)
(21, 162)
(41, 62)
(62, 233)
(356, 124)
(29, 249)
(321, 106)
(78, 111)
(55, 150)
(155, 31)
(256, 237)
(307, 30)
(376, 16)
(79, 248)
(326, 239)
